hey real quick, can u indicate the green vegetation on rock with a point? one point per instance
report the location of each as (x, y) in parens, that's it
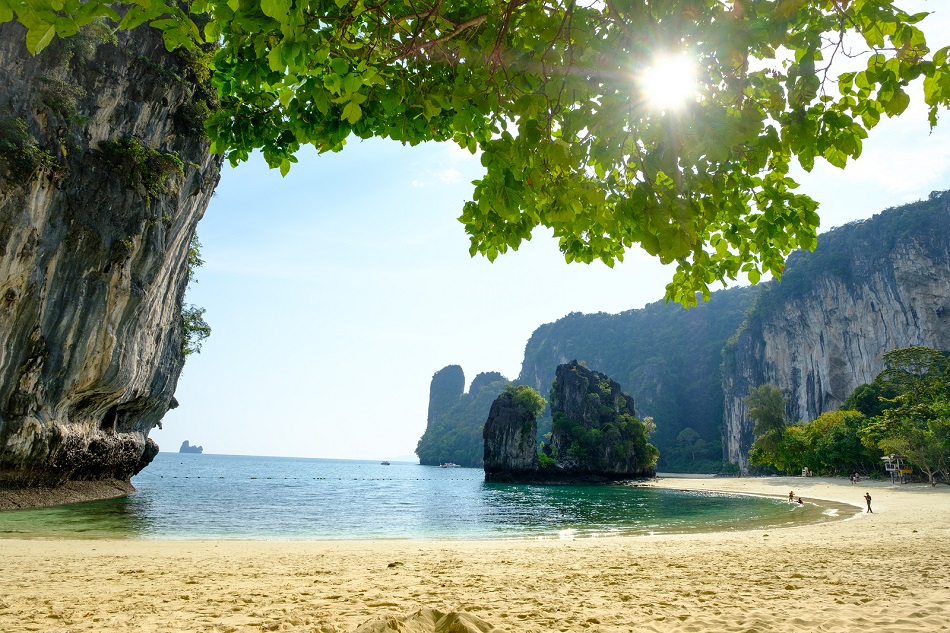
(666, 357)
(20, 156)
(149, 170)
(595, 428)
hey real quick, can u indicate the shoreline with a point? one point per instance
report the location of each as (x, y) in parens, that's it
(70, 492)
(885, 571)
(84, 526)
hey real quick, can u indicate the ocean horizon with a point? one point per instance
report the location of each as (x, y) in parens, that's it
(211, 496)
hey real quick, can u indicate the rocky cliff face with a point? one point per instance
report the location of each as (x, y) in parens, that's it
(104, 175)
(510, 438)
(445, 389)
(454, 426)
(595, 436)
(666, 357)
(596, 433)
(868, 288)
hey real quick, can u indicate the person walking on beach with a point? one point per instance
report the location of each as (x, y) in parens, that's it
(791, 496)
(867, 497)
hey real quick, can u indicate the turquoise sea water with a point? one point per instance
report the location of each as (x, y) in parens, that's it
(182, 496)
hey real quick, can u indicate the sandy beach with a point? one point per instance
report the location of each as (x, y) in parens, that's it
(886, 571)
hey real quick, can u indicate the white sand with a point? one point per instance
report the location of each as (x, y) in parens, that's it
(887, 571)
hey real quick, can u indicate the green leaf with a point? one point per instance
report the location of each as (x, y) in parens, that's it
(65, 27)
(352, 112)
(277, 9)
(6, 12)
(339, 66)
(38, 38)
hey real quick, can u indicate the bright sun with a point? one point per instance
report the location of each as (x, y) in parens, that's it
(669, 83)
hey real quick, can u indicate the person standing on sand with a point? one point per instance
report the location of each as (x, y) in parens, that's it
(791, 496)
(867, 497)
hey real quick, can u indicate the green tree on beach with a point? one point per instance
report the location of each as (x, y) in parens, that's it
(555, 97)
(910, 418)
(828, 445)
(916, 422)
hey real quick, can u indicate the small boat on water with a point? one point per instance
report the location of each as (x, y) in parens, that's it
(449, 465)
(384, 463)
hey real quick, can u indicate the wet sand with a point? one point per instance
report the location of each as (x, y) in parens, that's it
(886, 571)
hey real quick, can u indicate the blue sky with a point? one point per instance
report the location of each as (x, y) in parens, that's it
(335, 293)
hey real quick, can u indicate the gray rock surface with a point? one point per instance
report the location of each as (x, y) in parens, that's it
(93, 251)
(511, 445)
(869, 288)
(596, 436)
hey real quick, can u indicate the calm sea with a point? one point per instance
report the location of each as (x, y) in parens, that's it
(182, 496)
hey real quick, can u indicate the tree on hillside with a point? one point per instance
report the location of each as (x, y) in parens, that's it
(527, 399)
(557, 98)
(766, 408)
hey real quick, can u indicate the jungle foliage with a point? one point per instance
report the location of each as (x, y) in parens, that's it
(904, 411)
(548, 92)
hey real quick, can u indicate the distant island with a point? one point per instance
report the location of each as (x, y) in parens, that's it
(187, 448)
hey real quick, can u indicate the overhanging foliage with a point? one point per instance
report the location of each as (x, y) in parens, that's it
(547, 92)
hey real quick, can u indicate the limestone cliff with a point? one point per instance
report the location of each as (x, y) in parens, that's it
(104, 174)
(868, 288)
(445, 389)
(454, 425)
(595, 436)
(596, 433)
(510, 442)
(668, 358)
(186, 447)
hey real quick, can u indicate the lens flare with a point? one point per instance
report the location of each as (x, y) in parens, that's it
(669, 83)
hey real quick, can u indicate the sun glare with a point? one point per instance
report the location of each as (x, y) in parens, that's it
(669, 83)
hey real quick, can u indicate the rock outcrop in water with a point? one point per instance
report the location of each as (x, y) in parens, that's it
(188, 448)
(668, 358)
(104, 174)
(596, 436)
(510, 442)
(454, 426)
(869, 288)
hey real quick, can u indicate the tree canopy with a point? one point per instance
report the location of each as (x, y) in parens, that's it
(905, 411)
(548, 92)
